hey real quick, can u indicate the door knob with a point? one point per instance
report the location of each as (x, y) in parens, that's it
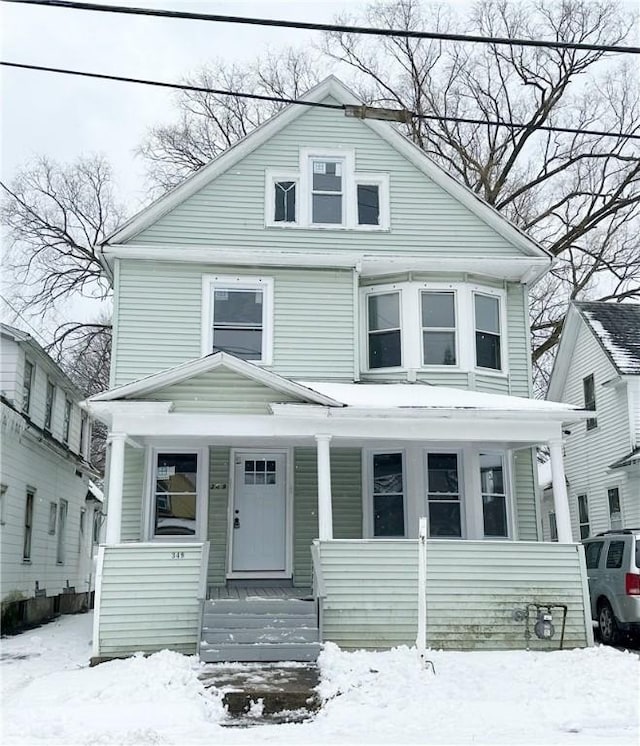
(236, 522)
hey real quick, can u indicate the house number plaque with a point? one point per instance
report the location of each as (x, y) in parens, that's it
(177, 555)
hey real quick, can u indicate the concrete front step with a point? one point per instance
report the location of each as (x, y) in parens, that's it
(271, 652)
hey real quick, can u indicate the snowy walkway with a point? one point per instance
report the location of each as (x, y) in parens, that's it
(50, 696)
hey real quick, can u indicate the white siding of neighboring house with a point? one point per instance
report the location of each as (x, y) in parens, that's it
(588, 453)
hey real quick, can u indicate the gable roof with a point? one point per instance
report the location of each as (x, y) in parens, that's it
(333, 88)
(208, 363)
(617, 328)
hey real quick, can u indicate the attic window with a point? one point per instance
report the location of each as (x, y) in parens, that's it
(284, 201)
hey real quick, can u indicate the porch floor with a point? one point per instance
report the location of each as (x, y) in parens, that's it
(216, 592)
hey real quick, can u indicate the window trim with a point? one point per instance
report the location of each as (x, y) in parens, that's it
(592, 422)
(369, 510)
(462, 492)
(582, 523)
(501, 298)
(49, 406)
(66, 419)
(272, 176)
(366, 331)
(27, 387)
(242, 282)
(348, 158)
(381, 180)
(456, 329)
(29, 513)
(61, 549)
(506, 481)
(609, 490)
(53, 518)
(553, 526)
(202, 494)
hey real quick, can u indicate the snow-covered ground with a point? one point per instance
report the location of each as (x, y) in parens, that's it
(51, 696)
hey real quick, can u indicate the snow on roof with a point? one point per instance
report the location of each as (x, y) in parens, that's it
(390, 395)
(95, 491)
(617, 326)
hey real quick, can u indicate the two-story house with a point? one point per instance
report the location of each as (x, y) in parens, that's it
(50, 511)
(319, 338)
(598, 367)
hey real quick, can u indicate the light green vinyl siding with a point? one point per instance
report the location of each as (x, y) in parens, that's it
(371, 593)
(132, 489)
(526, 501)
(517, 340)
(346, 466)
(220, 391)
(217, 519)
(159, 319)
(150, 598)
(229, 211)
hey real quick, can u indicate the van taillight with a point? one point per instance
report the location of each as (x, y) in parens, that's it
(632, 584)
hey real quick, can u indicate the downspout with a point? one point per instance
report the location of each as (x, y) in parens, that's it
(356, 321)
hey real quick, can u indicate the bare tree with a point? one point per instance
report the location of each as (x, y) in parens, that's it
(56, 216)
(210, 123)
(577, 194)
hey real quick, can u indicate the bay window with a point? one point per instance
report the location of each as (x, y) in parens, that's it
(438, 328)
(384, 330)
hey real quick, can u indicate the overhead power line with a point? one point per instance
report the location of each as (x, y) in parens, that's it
(308, 26)
(362, 112)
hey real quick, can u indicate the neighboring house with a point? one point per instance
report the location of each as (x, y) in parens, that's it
(598, 367)
(50, 511)
(319, 338)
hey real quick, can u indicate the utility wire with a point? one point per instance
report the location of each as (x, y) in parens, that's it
(22, 318)
(358, 111)
(303, 25)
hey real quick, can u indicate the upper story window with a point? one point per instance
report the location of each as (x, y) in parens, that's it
(27, 385)
(438, 311)
(433, 326)
(589, 389)
(488, 334)
(237, 316)
(85, 435)
(327, 192)
(48, 408)
(384, 330)
(66, 423)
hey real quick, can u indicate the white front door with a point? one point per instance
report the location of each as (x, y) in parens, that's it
(259, 519)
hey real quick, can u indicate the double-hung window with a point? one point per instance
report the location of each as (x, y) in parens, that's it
(488, 332)
(589, 390)
(63, 509)
(615, 514)
(443, 495)
(48, 408)
(438, 311)
(327, 191)
(494, 496)
(28, 525)
(583, 516)
(237, 317)
(388, 495)
(384, 330)
(27, 384)
(66, 423)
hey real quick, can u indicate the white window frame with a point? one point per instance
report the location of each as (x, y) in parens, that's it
(347, 157)
(462, 492)
(506, 480)
(27, 386)
(49, 406)
(202, 494)
(53, 518)
(364, 316)
(553, 526)
(431, 288)
(619, 488)
(63, 518)
(67, 413)
(368, 505)
(210, 283)
(273, 176)
(501, 297)
(381, 180)
(582, 523)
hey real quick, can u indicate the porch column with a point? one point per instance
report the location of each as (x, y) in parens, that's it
(116, 478)
(325, 517)
(560, 497)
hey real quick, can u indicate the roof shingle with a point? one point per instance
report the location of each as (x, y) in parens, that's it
(617, 326)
